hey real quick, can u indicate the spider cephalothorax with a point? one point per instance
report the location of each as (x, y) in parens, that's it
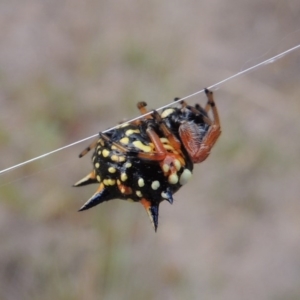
(150, 159)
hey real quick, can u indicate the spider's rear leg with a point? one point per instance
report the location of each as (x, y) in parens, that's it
(199, 146)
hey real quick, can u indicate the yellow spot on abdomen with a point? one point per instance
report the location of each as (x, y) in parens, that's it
(185, 176)
(166, 168)
(124, 177)
(173, 179)
(139, 194)
(124, 125)
(141, 182)
(164, 195)
(105, 153)
(109, 181)
(124, 140)
(111, 170)
(168, 147)
(141, 146)
(155, 185)
(167, 112)
(177, 164)
(121, 158)
(128, 165)
(117, 158)
(164, 140)
(131, 131)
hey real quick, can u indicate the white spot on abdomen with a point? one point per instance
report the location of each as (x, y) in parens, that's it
(173, 179)
(141, 182)
(155, 185)
(185, 176)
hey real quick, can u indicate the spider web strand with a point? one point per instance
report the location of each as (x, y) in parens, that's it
(265, 62)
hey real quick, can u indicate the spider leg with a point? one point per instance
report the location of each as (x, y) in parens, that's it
(142, 108)
(87, 149)
(197, 110)
(157, 155)
(170, 162)
(160, 152)
(207, 106)
(117, 145)
(199, 150)
(212, 104)
(166, 131)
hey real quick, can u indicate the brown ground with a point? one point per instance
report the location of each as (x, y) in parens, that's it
(69, 69)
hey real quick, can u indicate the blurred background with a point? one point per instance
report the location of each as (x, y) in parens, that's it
(69, 69)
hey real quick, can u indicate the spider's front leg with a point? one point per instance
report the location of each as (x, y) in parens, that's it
(197, 144)
(89, 148)
(160, 153)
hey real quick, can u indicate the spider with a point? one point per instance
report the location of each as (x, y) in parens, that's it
(150, 159)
